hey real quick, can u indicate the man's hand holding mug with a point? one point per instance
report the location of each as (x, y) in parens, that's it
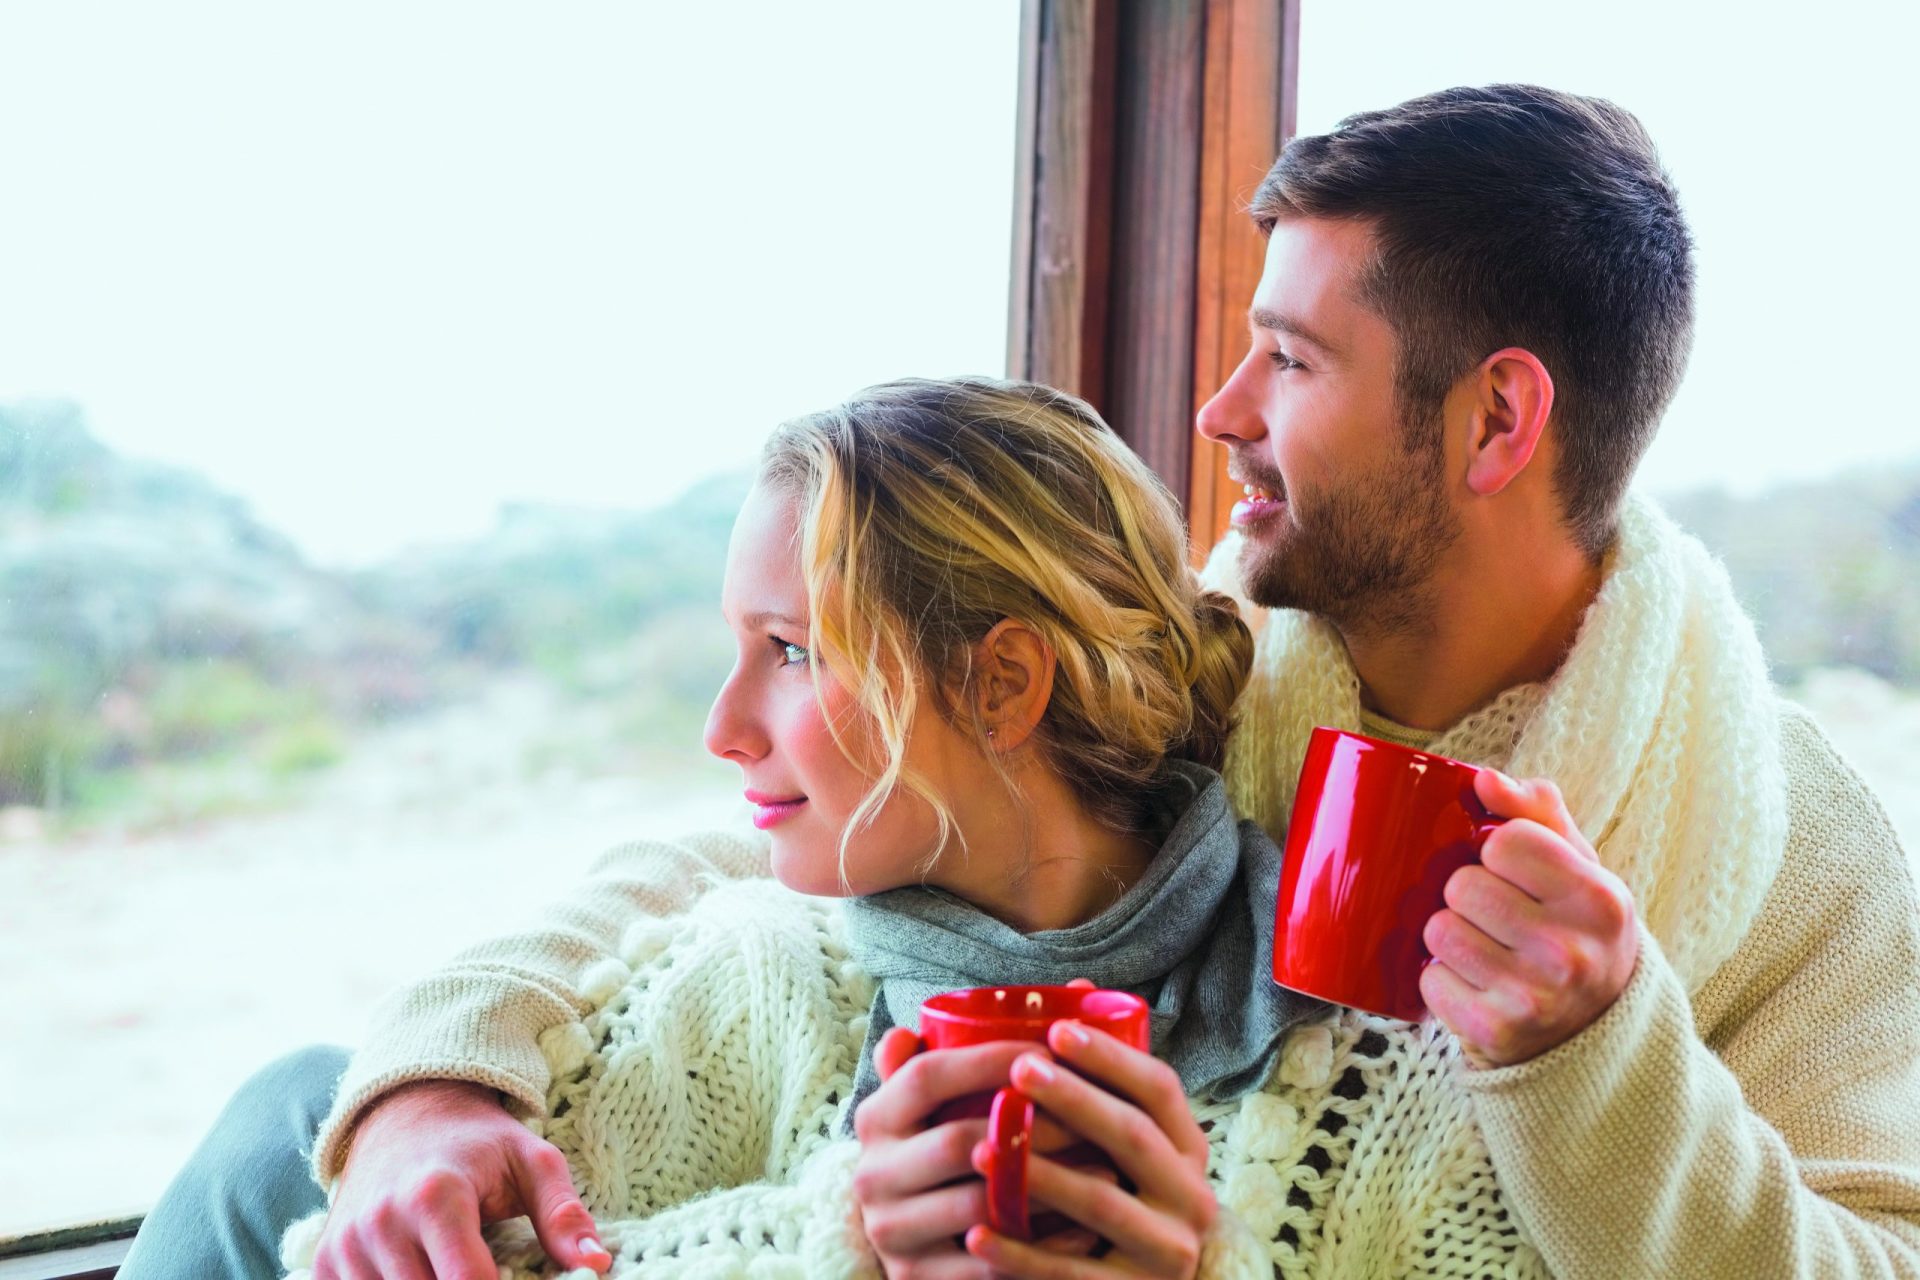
(1537, 940)
(1417, 884)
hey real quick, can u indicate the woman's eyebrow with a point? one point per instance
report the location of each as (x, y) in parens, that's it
(755, 621)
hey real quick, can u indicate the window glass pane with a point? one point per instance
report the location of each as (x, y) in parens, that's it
(377, 384)
(1791, 446)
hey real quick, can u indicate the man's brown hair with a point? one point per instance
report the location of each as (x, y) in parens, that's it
(1516, 216)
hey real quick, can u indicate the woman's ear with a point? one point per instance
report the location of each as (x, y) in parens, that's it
(1512, 398)
(1012, 682)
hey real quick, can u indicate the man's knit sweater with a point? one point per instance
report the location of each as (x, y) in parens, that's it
(1771, 1127)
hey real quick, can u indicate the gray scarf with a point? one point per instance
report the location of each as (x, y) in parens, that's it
(1193, 937)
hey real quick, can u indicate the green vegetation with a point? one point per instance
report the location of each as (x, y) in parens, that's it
(1830, 570)
(45, 751)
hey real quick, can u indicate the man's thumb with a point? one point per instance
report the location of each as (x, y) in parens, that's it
(565, 1228)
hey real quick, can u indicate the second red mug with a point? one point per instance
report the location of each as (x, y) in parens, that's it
(1377, 830)
(981, 1015)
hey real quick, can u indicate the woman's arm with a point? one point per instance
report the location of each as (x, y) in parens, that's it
(480, 1018)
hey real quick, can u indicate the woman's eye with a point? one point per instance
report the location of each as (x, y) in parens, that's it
(1284, 362)
(791, 654)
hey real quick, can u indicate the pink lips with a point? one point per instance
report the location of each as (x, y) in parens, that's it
(768, 809)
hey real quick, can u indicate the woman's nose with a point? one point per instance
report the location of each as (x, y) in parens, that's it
(730, 733)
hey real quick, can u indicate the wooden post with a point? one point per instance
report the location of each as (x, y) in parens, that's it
(1062, 238)
(1253, 55)
(1144, 128)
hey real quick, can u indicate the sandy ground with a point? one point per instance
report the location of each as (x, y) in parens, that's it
(146, 977)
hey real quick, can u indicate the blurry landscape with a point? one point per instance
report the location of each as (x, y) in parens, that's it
(165, 656)
(211, 751)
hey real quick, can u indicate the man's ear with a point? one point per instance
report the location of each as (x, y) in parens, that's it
(1012, 682)
(1510, 398)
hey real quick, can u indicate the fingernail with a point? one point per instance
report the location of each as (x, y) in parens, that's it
(1075, 1034)
(1035, 1067)
(591, 1247)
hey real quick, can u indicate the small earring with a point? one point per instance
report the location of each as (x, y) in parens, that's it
(989, 734)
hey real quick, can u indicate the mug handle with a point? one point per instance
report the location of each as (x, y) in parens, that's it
(1485, 823)
(1010, 1140)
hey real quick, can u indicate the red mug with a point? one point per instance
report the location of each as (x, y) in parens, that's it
(1377, 829)
(982, 1015)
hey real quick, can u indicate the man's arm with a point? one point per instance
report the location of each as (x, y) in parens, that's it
(480, 1018)
(1785, 1143)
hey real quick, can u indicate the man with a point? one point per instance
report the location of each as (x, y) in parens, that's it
(1676, 1020)
(1474, 310)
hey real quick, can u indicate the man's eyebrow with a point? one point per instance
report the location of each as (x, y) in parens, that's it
(1262, 318)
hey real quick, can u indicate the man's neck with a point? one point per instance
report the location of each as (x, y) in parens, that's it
(1498, 621)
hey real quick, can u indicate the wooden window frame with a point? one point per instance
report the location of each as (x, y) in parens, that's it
(1143, 131)
(88, 1251)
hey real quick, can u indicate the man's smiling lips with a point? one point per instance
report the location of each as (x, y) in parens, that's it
(1261, 503)
(769, 809)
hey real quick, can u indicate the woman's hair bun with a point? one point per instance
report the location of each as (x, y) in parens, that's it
(1222, 661)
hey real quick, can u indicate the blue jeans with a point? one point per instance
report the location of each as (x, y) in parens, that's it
(222, 1215)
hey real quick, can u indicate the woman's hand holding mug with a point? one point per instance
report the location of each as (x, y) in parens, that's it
(927, 1126)
(1132, 1106)
(914, 1180)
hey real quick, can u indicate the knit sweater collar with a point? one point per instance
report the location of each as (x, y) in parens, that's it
(1660, 729)
(1192, 936)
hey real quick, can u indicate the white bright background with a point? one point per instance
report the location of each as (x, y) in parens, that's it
(1788, 130)
(380, 266)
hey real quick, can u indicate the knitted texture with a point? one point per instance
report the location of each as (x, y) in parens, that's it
(1191, 937)
(1659, 729)
(697, 1100)
(1765, 1132)
(479, 1018)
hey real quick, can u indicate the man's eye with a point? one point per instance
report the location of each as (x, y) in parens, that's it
(1284, 362)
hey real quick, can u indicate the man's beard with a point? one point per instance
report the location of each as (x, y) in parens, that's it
(1362, 555)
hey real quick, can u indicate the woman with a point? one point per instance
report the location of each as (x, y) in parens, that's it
(978, 697)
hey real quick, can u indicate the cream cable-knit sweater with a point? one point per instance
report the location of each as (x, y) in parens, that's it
(697, 1091)
(1760, 1119)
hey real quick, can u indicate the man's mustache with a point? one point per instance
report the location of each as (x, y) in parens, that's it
(1245, 470)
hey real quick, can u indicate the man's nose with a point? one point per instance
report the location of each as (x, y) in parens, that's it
(1233, 414)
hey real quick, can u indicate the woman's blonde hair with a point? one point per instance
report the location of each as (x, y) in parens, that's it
(932, 510)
